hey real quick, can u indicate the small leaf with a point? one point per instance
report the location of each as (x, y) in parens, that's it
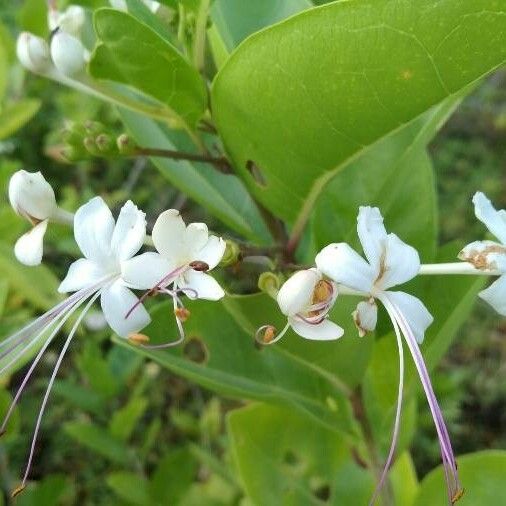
(124, 420)
(129, 487)
(16, 115)
(132, 53)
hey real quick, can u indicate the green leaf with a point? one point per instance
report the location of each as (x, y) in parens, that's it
(132, 53)
(129, 487)
(225, 359)
(481, 474)
(173, 476)
(302, 99)
(236, 19)
(79, 396)
(99, 440)
(224, 196)
(143, 13)
(124, 420)
(52, 489)
(32, 17)
(4, 65)
(16, 115)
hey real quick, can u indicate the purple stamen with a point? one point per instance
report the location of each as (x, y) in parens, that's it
(51, 382)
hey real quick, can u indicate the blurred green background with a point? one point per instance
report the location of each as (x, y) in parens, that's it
(119, 429)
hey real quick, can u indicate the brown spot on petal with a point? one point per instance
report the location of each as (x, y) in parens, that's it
(479, 259)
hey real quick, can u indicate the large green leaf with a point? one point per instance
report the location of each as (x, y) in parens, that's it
(481, 474)
(283, 458)
(236, 19)
(132, 53)
(224, 196)
(305, 97)
(221, 355)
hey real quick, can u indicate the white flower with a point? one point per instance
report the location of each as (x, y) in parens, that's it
(68, 54)
(70, 21)
(122, 5)
(32, 197)
(107, 248)
(490, 255)
(185, 255)
(306, 299)
(33, 53)
(390, 262)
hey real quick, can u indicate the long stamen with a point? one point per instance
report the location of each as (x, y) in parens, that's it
(14, 402)
(397, 422)
(50, 386)
(455, 490)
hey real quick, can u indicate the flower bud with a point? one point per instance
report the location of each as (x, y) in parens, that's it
(33, 52)
(232, 254)
(365, 317)
(91, 146)
(126, 146)
(105, 144)
(32, 196)
(297, 293)
(72, 20)
(68, 54)
(269, 283)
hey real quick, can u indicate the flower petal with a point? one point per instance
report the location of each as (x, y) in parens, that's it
(93, 228)
(205, 286)
(196, 236)
(414, 311)
(29, 247)
(344, 265)
(495, 295)
(169, 236)
(129, 232)
(324, 331)
(401, 262)
(296, 293)
(494, 220)
(82, 274)
(372, 235)
(365, 316)
(485, 255)
(116, 301)
(212, 252)
(145, 271)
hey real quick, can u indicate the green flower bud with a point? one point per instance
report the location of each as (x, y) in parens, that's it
(105, 144)
(91, 146)
(269, 283)
(232, 254)
(126, 145)
(94, 127)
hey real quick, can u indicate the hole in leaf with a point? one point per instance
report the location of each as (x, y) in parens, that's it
(196, 351)
(291, 459)
(256, 173)
(321, 490)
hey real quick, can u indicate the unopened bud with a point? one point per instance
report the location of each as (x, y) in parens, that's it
(365, 316)
(138, 339)
(68, 53)
(33, 53)
(182, 314)
(73, 134)
(126, 146)
(91, 146)
(31, 196)
(232, 254)
(94, 127)
(105, 144)
(72, 20)
(269, 283)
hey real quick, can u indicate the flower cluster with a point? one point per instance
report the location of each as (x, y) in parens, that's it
(65, 55)
(110, 270)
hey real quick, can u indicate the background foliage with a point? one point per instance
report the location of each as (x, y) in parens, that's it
(337, 107)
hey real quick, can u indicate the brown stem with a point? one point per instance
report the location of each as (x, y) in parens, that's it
(219, 162)
(387, 497)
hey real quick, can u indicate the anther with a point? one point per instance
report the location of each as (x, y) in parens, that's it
(458, 495)
(322, 291)
(199, 266)
(269, 334)
(138, 339)
(17, 490)
(182, 313)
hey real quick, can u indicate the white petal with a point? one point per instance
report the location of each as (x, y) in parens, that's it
(196, 236)
(296, 293)
(33, 52)
(324, 331)
(81, 274)
(401, 263)
(68, 54)
(93, 227)
(205, 286)
(29, 247)
(414, 311)
(365, 317)
(495, 295)
(129, 232)
(169, 234)
(212, 252)
(486, 255)
(344, 265)
(494, 220)
(116, 301)
(372, 235)
(145, 271)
